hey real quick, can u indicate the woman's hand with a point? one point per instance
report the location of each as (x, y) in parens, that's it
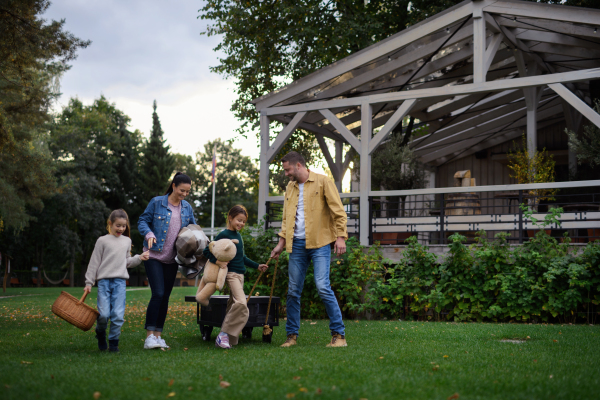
(145, 255)
(87, 289)
(151, 242)
(222, 264)
(263, 267)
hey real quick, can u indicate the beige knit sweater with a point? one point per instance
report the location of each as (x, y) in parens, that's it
(110, 259)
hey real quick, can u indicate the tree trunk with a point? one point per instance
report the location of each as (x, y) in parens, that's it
(83, 265)
(5, 272)
(72, 269)
(39, 259)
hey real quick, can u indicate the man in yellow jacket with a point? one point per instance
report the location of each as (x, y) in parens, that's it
(313, 219)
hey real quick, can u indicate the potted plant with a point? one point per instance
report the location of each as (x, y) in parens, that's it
(538, 167)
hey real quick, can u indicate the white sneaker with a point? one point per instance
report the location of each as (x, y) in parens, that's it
(162, 342)
(151, 342)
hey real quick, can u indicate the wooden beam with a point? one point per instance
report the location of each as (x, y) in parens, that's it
(494, 86)
(478, 46)
(309, 127)
(341, 128)
(365, 171)
(339, 164)
(391, 124)
(384, 47)
(558, 49)
(577, 103)
(490, 52)
(555, 26)
(263, 175)
(578, 15)
(554, 38)
(283, 136)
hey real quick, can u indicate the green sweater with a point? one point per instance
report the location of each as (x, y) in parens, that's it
(240, 261)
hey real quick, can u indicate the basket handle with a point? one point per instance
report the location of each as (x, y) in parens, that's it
(83, 297)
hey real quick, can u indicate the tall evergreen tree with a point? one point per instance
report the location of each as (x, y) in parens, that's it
(157, 163)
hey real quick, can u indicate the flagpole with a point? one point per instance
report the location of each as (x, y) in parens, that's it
(214, 178)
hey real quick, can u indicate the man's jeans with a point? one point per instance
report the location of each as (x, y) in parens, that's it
(299, 260)
(111, 305)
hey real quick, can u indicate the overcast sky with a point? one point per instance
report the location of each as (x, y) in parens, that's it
(146, 50)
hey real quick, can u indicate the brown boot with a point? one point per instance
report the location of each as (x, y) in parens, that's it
(337, 340)
(290, 341)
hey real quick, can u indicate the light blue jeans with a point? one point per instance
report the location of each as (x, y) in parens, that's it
(111, 305)
(299, 260)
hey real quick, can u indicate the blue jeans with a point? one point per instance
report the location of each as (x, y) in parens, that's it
(299, 260)
(161, 278)
(111, 305)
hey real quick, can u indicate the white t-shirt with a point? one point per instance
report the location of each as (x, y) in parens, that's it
(299, 229)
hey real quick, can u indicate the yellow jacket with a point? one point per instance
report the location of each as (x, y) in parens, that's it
(324, 215)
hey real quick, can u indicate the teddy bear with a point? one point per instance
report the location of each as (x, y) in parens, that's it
(189, 245)
(214, 275)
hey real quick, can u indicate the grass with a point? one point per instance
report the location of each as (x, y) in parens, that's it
(43, 357)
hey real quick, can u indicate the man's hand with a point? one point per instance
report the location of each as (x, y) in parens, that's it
(278, 249)
(340, 246)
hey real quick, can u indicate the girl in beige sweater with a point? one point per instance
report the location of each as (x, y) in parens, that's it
(108, 267)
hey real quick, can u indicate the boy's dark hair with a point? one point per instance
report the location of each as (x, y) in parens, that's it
(293, 158)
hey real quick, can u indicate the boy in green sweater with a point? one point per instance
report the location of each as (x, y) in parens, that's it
(237, 309)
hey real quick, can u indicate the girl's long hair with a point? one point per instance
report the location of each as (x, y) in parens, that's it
(178, 179)
(234, 212)
(120, 213)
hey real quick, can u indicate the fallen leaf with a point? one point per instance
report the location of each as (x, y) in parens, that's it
(190, 388)
(51, 376)
(551, 376)
(534, 360)
(172, 394)
(381, 358)
(97, 395)
(296, 378)
(300, 368)
(303, 389)
(445, 356)
(185, 349)
(313, 323)
(467, 352)
(146, 379)
(171, 382)
(454, 396)
(26, 362)
(220, 377)
(224, 384)
(528, 337)
(290, 395)
(319, 391)
(555, 341)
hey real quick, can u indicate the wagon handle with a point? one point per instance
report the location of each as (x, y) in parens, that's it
(256, 283)
(83, 297)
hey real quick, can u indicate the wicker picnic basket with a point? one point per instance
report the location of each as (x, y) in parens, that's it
(75, 311)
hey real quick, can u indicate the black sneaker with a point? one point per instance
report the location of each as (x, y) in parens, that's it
(113, 346)
(101, 336)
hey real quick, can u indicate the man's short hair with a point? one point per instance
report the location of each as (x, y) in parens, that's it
(293, 158)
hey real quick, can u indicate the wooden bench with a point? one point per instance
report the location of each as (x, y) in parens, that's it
(34, 281)
(214, 314)
(14, 282)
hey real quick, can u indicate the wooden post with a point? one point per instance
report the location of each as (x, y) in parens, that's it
(263, 178)
(478, 45)
(366, 131)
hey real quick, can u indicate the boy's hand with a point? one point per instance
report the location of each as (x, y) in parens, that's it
(263, 267)
(222, 264)
(145, 255)
(87, 289)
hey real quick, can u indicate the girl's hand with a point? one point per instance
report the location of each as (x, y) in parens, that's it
(263, 267)
(145, 255)
(222, 264)
(87, 289)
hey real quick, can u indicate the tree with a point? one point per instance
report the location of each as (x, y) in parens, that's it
(236, 183)
(34, 54)
(157, 164)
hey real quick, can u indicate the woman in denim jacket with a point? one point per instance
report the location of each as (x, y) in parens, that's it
(160, 224)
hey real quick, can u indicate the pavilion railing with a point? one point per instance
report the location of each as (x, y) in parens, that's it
(434, 214)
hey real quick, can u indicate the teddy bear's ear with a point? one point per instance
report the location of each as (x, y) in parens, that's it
(235, 241)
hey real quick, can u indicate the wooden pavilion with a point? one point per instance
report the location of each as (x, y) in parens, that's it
(478, 74)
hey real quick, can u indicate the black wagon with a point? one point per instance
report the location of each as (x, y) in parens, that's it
(214, 314)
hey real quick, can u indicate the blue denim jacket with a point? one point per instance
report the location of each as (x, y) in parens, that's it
(157, 216)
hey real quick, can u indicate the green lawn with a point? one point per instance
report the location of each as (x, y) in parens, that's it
(43, 357)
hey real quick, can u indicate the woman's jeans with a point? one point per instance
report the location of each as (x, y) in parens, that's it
(161, 278)
(111, 305)
(299, 260)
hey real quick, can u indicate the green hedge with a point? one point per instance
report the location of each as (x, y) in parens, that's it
(542, 280)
